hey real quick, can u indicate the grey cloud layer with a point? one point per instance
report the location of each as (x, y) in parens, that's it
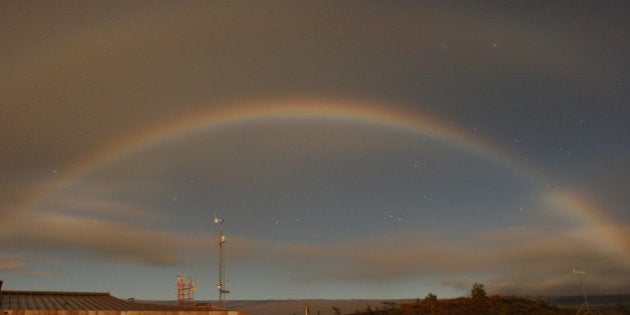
(508, 259)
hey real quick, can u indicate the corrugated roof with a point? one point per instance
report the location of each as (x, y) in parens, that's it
(87, 301)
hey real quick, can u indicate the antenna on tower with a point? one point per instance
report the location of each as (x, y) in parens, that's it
(221, 284)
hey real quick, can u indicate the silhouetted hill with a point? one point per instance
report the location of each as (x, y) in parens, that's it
(471, 305)
(607, 304)
(498, 304)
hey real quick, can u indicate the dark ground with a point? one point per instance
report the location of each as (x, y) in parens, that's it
(606, 304)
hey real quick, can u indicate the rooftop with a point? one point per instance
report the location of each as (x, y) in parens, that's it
(49, 300)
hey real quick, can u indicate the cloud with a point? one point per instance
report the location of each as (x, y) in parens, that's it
(105, 239)
(519, 260)
(101, 198)
(11, 263)
(522, 260)
(96, 220)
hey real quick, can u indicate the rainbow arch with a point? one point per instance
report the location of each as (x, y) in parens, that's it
(373, 114)
(611, 237)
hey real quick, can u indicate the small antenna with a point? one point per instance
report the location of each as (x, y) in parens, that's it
(217, 220)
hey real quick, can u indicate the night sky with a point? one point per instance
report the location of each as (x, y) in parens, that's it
(355, 149)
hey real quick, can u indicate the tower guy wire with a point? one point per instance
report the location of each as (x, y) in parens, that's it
(585, 308)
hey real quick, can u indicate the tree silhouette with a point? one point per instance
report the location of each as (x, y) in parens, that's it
(478, 291)
(431, 298)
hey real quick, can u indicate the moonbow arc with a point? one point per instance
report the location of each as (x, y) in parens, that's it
(373, 114)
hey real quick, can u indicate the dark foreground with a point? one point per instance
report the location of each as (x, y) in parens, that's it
(492, 304)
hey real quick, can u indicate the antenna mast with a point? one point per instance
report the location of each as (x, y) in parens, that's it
(221, 285)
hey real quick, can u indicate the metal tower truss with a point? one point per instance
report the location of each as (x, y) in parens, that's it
(221, 284)
(185, 290)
